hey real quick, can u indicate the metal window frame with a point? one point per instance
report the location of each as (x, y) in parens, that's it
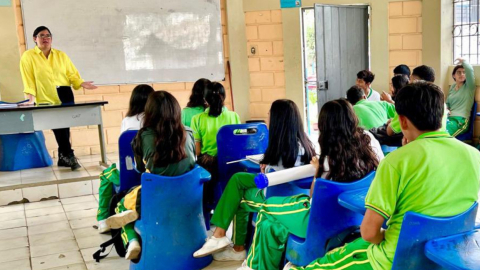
(466, 21)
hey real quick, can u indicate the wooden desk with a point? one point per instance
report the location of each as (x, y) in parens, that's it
(26, 119)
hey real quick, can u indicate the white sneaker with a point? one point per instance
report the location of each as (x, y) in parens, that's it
(133, 250)
(289, 266)
(121, 219)
(212, 245)
(103, 227)
(229, 254)
(244, 266)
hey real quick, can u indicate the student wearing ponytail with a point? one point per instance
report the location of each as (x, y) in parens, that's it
(205, 128)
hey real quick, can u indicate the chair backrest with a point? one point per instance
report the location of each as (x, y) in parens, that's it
(129, 177)
(417, 229)
(469, 135)
(172, 223)
(234, 146)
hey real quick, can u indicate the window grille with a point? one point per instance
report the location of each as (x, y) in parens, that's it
(466, 32)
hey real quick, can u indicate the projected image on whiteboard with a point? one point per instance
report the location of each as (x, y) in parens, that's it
(173, 33)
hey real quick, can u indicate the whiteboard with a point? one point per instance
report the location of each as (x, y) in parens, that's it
(133, 41)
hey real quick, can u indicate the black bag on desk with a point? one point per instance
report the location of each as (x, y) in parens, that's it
(381, 135)
(65, 94)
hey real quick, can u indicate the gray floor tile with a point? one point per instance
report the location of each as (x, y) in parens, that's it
(52, 227)
(32, 221)
(44, 211)
(14, 254)
(44, 204)
(81, 206)
(23, 264)
(54, 248)
(12, 215)
(51, 237)
(82, 214)
(76, 200)
(8, 224)
(13, 233)
(19, 242)
(57, 260)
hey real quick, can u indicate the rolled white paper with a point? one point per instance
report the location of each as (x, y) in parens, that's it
(284, 176)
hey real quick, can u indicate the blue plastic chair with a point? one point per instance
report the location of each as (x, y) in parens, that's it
(327, 219)
(232, 147)
(468, 136)
(354, 200)
(417, 229)
(388, 149)
(459, 252)
(172, 226)
(129, 177)
(23, 151)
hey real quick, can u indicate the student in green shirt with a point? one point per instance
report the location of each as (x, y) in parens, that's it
(196, 103)
(205, 128)
(164, 147)
(371, 114)
(422, 177)
(460, 98)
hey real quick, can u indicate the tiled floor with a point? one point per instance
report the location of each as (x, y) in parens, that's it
(90, 167)
(58, 235)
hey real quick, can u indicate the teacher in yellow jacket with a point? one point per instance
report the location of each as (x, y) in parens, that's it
(47, 74)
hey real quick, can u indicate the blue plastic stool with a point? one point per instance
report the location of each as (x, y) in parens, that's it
(354, 200)
(468, 136)
(459, 252)
(172, 226)
(327, 219)
(23, 151)
(417, 229)
(129, 177)
(388, 149)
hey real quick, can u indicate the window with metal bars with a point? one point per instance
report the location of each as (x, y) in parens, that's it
(466, 32)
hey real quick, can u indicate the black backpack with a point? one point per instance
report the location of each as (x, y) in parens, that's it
(116, 240)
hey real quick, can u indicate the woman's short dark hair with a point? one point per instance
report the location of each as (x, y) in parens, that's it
(40, 29)
(455, 71)
(355, 94)
(423, 104)
(366, 75)
(344, 143)
(163, 116)
(425, 73)
(197, 98)
(402, 69)
(215, 97)
(138, 99)
(398, 82)
(286, 136)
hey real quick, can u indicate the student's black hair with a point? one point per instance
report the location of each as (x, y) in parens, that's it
(344, 143)
(286, 136)
(215, 96)
(355, 94)
(163, 116)
(402, 69)
(197, 98)
(366, 76)
(455, 70)
(398, 82)
(423, 104)
(425, 73)
(40, 29)
(138, 99)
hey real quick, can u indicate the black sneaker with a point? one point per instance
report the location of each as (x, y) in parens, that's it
(68, 161)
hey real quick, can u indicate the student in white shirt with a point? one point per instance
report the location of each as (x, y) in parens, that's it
(132, 121)
(364, 80)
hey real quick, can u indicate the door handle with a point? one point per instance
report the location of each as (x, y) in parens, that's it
(322, 85)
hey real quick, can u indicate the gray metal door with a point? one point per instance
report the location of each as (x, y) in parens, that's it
(342, 48)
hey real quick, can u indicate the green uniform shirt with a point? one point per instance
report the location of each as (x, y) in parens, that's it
(373, 114)
(205, 128)
(146, 163)
(188, 113)
(435, 175)
(460, 101)
(395, 123)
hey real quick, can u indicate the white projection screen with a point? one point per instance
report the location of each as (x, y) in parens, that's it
(133, 41)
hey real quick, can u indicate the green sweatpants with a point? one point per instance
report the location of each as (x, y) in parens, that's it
(277, 218)
(108, 178)
(240, 197)
(457, 125)
(352, 256)
(128, 231)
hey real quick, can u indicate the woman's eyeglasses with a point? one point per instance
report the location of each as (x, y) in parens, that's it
(44, 36)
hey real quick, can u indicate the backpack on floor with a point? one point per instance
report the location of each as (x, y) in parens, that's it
(116, 239)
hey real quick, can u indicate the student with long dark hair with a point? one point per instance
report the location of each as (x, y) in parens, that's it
(460, 98)
(196, 103)
(288, 146)
(205, 128)
(348, 153)
(111, 176)
(398, 82)
(164, 147)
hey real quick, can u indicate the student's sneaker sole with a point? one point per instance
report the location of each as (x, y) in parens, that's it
(210, 252)
(133, 253)
(121, 219)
